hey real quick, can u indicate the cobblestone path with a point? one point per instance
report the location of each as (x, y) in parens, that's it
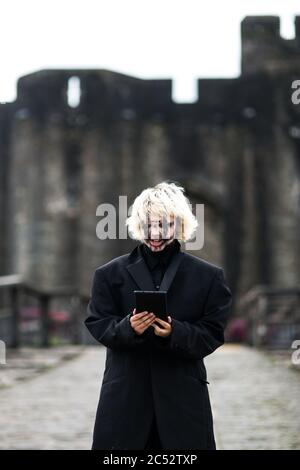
(256, 403)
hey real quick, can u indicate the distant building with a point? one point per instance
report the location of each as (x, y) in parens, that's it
(237, 150)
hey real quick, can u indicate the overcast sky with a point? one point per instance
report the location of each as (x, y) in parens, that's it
(182, 40)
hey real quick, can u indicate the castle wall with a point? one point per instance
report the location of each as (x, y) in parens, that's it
(236, 150)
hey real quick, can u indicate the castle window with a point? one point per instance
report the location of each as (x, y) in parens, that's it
(185, 89)
(74, 92)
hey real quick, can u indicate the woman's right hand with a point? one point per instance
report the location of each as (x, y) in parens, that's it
(141, 321)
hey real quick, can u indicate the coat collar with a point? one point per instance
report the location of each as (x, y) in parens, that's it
(141, 275)
(163, 257)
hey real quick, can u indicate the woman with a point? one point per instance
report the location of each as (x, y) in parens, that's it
(154, 392)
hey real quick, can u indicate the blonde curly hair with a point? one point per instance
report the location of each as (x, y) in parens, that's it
(163, 200)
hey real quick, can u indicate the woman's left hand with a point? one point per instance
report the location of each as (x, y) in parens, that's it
(165, 329)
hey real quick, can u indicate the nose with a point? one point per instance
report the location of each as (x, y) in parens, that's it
(155, 233)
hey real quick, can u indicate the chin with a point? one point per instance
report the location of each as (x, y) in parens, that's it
(158, 245)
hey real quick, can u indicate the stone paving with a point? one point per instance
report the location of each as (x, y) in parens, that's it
(256, 403)
(54, 410)
(27, 362)
(255, 399)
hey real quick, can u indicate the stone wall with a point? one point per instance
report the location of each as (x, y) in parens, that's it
(236, 150)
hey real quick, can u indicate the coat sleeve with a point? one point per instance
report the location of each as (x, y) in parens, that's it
(199, 339)
(104, 323)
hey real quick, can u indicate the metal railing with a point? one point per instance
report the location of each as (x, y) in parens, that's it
(273, 315)
(10, 316)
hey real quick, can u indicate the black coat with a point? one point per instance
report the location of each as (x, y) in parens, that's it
(148, 374)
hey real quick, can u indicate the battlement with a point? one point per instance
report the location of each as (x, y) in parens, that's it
(103, 93)
(263, 27)
(106, 95)
(263, 48)
(260, 27)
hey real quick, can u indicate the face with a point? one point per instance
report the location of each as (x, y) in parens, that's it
(159, 232)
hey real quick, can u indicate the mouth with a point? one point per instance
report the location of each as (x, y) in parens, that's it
(156, 243)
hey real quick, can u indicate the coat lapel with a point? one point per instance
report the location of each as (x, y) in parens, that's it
(141, 274)
(171, 271)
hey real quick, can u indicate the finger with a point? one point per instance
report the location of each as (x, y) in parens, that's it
(170, 319)
(139, 314)
(158, 331)
(141, 321)
(147, 321)
(156, 328)
(139, 318)
(146, 325)
(162, 322)
(155, 325)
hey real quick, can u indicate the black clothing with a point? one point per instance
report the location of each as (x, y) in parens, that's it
(144, 376)
(157, 261)
(153, 442)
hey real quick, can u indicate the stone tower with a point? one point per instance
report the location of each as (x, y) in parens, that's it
(236, 150)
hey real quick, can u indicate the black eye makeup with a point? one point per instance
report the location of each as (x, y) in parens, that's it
(160, 224)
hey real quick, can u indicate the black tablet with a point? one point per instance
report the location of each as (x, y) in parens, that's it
(152, 301)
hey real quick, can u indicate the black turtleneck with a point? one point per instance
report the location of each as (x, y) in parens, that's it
(158, 261)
